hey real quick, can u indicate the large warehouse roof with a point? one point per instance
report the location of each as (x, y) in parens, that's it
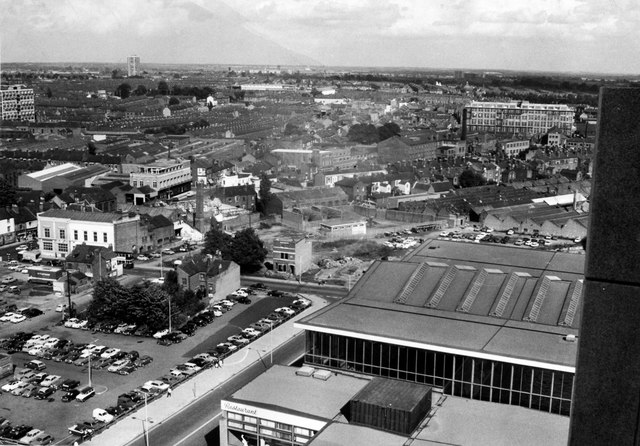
(488, 301)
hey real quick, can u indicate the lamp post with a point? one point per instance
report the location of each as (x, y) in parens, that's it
(271, 343)
(95, 340)
(145, 420)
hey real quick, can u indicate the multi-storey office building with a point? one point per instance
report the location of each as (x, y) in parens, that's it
(517, 117)
(133, 66)
(501, 330)
(17, 103)
(168, 177)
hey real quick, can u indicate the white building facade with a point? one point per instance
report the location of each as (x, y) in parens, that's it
(518, 117)
(17, 103)
(167, 177)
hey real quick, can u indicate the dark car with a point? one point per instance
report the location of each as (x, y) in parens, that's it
(119, 355)
(32, 312)
(175, 337)
(127, 369)
(258, 286)
(69, 384)
(116, 410)
(164, 341)
(142, 330)
(275, 293)
(143, 361)
(133, 355)
(243, 300)
(199, 362)
(70, 395)
(44, 393)
(20, 431)
(189, 329)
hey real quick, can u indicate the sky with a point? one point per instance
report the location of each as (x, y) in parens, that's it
(599, 36)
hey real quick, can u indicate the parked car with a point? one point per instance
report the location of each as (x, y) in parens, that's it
(43, 438)
(61, 307)
(85, 393)
(127, 369)
(19, 388)
(102, 415)
(30, 436)
(84, 428)
(154, 386)
(44, 392)
(30, 391)
(142, 258)
(109, 353)
(53, 381)
(160, 334)
(70, 395)
(35, 365)
(32, 312)
(116, 366)
(69, 384)
(238, 340)
(143, 361)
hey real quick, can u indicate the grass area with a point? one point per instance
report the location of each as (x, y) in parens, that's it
(364, 250)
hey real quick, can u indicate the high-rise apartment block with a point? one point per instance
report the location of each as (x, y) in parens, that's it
(133, 65)
(17, 103)
(517, 117)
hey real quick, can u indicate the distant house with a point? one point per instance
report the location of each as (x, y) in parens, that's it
(332, 196)
(94, 261)
(239, 196)
(17, 223)
(291, 255)
(355, 189)
(97, 197)
(215, 276)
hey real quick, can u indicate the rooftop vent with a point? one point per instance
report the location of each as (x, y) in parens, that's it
(305, 371)
(322, 374)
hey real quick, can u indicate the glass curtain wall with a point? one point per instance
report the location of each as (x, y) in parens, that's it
(467, 377)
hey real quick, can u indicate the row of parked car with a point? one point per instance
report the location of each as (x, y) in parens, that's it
(23, 433)
(18, 315)
(154, 388)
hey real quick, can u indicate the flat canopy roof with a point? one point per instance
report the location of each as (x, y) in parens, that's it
(279, 387)
(487, 301)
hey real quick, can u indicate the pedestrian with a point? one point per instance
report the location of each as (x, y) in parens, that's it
(217, 363)
(169, 391)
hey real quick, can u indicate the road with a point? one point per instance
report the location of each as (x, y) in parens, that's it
(295, 287)
(197, 424)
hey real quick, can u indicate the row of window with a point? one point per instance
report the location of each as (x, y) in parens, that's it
(500, 382)
(273, 429)
(62, 234)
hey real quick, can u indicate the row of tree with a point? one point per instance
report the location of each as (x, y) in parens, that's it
(144, 304)
(245, 248)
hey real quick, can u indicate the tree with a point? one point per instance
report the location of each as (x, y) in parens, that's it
(217, 242)
(388, 130)
(248, 251)
(363, 133)
(140, 90)
(48, 92)
(8, 195)
(174, 101)
(163, 87)
(469, 178)
(123, 90)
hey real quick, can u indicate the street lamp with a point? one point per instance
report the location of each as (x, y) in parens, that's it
(90, 355)
(145, 420)
(169, 313)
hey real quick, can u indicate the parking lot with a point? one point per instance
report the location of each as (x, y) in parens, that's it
(55, 416)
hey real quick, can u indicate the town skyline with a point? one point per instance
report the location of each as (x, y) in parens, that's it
(576, 36)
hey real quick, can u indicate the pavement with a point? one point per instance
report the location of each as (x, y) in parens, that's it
(128, 429)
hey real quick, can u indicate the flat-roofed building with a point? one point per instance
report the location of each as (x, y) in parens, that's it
(168, 177)
(133, 65)
(292, 255)
(61, 230)
(484, 322)
(517, 117)
(17, 103)
(58, 178)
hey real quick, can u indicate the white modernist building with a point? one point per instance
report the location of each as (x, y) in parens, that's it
(517, 117)
(17, 103)
(61, 230)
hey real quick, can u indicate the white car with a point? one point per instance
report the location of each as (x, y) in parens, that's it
(160, 334)
(12, 385)
(109, 353)
(155, 386)
(82, 325)
(9, 279)
(72, 323)
(251, 332)
(168, 251)
(35, 350)
(85, 394)
(102, 415)
(116, 366)
(142, 258)
(216, 312)
(50, 343)
(30, 436)
(237, 339)
(17, 318)
(61, 307)
(6, 317)
(49, 380)
(155, 255)
(22, 248)
(227, 303)
(285, 310)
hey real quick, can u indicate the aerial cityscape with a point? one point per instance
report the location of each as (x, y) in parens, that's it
(259, 223)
